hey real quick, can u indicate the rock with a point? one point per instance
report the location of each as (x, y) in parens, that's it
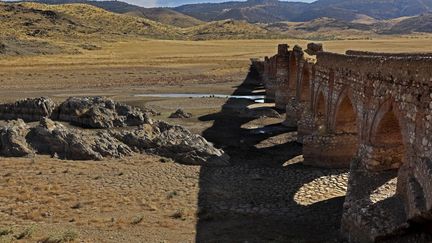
(180, 113)
(174, 142)
(12, 139)
(53, 138)
(28, 109)
(98, 112)
(150, 111)
(259, 112)
(314, 48)
(60, 141)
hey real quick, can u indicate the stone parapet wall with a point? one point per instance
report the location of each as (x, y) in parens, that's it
(386, 54)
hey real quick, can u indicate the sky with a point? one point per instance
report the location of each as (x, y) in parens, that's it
(172, 3)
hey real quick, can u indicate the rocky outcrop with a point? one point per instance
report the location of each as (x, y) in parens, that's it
(32, 109)
(174, 142)
(99, 112)
(139, 134)
(55, 139)
(180, 113)
(12, 139)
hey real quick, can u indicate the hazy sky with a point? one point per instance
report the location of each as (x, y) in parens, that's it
(170, 3)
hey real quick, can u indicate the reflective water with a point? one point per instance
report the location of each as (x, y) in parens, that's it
(255, 98)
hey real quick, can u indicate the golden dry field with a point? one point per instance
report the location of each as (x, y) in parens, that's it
(139, 64)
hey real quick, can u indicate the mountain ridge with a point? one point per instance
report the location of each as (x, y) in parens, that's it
(268, 11)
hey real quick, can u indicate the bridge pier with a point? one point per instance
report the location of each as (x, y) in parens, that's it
(329, 150)
(292, 115)
(306, 122)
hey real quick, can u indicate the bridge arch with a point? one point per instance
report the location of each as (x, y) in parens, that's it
(388, 137)
(345, 114)
(320, 109)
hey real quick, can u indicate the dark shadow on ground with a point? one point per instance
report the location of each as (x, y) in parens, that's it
(255, 199)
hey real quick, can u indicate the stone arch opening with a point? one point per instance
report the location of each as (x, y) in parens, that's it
(346, 117)
(345, 131)
(320, 111)
(387, 140)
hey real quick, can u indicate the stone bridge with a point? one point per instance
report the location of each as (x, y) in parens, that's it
(372, 113)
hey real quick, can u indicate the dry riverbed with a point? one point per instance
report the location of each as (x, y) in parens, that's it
(267, 195)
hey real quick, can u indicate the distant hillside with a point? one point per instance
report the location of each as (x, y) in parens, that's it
(264, 11)
(379, 9)
(166, 16)
(422, 23)
(228, 29)
(76, 20)
(162, 15)
(34, 28)
(270, 11)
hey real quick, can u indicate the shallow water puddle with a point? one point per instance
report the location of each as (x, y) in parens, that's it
(255, 98)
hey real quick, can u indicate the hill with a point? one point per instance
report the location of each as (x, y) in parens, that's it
(34, 28)
(270, 11)
(228, 29)
(379, 9)
(28, 28)
(75, 21)
(421, 23)
(264, 11)
(162, 15)
(166, 16)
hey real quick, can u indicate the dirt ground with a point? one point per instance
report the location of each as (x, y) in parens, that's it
(267, 195)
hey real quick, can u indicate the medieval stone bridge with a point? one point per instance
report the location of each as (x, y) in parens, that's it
(371, 112)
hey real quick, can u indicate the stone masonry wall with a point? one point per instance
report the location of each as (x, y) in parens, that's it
(385, 100)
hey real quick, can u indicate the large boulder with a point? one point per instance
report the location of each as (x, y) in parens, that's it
(174, 142)
(99, 112)
(12, 139)
(180, 113)
(32, 109)
(53, 138)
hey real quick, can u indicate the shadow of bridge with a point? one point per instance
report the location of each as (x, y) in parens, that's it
(266, 195)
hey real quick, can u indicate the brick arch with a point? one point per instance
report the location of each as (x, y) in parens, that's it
(388, 136)
(345, 119)
(320, 108)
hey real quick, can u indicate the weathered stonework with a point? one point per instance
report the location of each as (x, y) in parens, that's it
(371, 112)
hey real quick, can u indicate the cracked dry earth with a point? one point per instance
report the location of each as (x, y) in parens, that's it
(266, 196)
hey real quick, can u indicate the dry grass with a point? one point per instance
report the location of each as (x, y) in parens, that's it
(76, 22)
(136, 64)
(41, 198)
